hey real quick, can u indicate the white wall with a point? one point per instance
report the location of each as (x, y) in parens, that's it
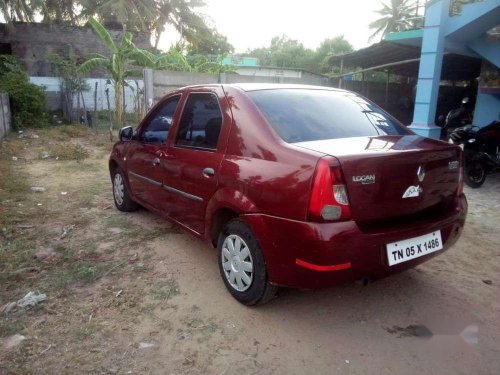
(268, 72)
(53, 87)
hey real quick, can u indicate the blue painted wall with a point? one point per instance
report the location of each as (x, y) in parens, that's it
(487, 109)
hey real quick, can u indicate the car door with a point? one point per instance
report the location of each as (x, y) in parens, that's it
(146, 157)
(195, 155)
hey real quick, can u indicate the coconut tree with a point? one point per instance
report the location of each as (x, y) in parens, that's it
(397, 16)
(183, 15)
(123, 62)
(19, 10)
(132, 15)
(61, 10)
(148, 15)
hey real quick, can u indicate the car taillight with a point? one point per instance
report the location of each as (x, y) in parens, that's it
(329, 200)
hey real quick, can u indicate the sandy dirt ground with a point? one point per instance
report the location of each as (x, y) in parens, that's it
(160, 307)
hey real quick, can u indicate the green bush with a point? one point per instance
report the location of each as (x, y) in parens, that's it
(9, 63)
(27, 101)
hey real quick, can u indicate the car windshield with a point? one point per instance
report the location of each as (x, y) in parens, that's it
(301, 115)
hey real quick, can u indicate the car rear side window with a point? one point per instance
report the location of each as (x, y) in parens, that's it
(200, 123)
(301, 115)
(156, 130)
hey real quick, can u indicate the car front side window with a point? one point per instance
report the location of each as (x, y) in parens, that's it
(156, 130)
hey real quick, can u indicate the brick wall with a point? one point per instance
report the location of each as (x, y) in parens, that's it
(33, 42)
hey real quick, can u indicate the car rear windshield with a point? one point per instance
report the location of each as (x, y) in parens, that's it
(301, 115)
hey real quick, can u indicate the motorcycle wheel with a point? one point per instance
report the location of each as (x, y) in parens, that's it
(475, 174)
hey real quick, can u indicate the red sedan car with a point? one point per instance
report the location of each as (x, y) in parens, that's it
(296, 186)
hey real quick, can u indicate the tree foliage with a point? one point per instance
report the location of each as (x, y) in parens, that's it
(20, 10)
(9, 63)
(209, 42)
(288, 53)
(399, 15)
(328, 48)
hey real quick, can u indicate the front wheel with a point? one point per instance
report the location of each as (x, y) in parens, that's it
(242, 266)
(121, 195)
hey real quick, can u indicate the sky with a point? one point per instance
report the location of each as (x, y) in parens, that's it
(251, 24)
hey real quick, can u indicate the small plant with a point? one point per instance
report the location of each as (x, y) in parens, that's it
(72, 83)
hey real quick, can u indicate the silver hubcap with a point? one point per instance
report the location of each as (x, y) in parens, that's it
(118, 189)
(237, 263)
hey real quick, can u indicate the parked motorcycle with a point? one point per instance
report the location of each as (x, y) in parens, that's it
(455, 118)
(481, 151)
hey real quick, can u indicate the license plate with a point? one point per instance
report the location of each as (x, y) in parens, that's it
(411, 248)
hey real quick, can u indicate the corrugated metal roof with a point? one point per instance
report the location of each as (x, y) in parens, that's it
(455, 67)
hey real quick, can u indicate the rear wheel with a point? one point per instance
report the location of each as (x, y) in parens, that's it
(474, 172)
(242, 266)
(121, 194)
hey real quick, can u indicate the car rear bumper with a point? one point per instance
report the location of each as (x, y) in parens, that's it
(315, 255)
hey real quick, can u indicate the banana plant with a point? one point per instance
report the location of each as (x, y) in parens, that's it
(124, 61)
(175, 60)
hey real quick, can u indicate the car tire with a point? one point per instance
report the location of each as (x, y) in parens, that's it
(121, 194)
(234, 265)
(474, 171)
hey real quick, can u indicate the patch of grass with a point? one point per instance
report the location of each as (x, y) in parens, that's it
(75, 130)
(165, 325)
(9, 327)
(65, 132)
(165, 290)
(85, 270)
(17, 252)
(66, 151)
(118, 222)
(69, 272)
(98, 188)
(13, 183)
(86, 331)
(10, 148)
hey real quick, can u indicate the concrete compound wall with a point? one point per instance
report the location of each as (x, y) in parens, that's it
(52, 86)
(158, 83)
(5, 119)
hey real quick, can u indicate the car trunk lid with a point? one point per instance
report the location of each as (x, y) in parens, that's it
(393, 177)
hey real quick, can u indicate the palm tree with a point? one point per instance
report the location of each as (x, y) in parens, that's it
(122, 63)
(61, 10)
(182, 15)
(19, 10)
(148, 15)
(395, 17)
(133, 15)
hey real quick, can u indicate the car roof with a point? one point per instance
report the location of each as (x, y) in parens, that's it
(263, 86)
(277, 86)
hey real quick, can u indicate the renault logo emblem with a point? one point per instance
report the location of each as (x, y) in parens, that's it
(421, 173)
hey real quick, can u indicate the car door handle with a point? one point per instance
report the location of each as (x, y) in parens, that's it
(208, 172)
(156, 161)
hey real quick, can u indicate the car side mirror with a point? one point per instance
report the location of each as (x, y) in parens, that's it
(126, 133)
